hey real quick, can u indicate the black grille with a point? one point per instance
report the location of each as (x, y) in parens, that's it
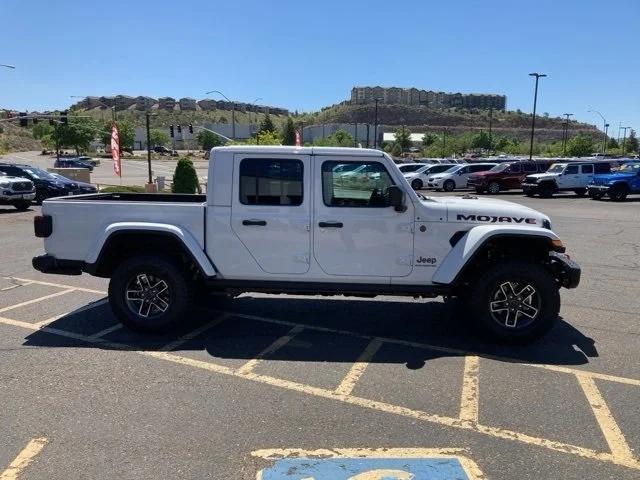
(530, 179)
(22, 186)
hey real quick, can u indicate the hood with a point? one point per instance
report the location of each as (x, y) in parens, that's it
(543, 175)
(471, 209)
(614, 176)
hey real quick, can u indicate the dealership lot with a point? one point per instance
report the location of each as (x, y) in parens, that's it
(84, 398)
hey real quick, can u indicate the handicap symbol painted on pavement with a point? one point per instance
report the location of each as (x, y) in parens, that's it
(355, 464)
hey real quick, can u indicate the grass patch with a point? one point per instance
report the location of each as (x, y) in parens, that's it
(123, 189)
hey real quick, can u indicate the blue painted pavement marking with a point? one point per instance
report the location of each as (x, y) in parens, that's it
(365, 469)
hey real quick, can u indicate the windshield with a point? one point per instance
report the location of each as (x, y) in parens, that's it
(500, 167)
(630, 168)
(410, 168)
(39, 174)
(557, 168)
(453, 169)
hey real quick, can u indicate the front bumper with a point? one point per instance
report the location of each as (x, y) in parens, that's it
(50, 264)
(598, 188)
(567, 271)
(16, 196)
(529, 187)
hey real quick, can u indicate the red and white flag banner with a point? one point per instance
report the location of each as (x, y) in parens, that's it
(115, 150)
(298, 139)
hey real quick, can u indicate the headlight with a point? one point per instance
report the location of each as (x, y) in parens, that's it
(546, 224)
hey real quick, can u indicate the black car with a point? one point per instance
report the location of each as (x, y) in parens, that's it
(72, 163)
(47, 185)
(78, 187)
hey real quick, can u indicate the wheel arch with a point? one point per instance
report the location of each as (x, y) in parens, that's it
(122, 240)
(478, 246)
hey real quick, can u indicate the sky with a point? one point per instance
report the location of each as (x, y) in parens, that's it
(304, 55)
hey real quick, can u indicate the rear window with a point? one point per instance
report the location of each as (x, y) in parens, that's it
(602, 167)
(266, 181)
(587, 169)
(529, 167)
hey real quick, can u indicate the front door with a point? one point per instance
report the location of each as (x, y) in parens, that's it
(570, 178)
(271, 210)
(355, 230)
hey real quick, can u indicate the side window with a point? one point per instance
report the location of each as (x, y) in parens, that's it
(529, 167)
(514, 168)
(265, 181)
(480, 168)
(571, 170)
(587, 168)
(602, 167)
(465, 170)
(355, 184)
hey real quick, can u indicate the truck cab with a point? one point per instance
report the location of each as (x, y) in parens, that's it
(330, 221)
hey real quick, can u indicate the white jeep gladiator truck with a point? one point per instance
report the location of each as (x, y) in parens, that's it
(330, 221)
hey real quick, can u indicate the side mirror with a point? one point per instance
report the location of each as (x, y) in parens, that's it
(396, 198)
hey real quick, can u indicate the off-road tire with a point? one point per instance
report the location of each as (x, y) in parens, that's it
(618, 193)
(155, 267)
(483, 297)
(546, 190)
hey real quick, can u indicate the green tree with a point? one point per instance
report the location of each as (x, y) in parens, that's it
(207, 140)
(429, 139)
(396, 150)
(631, 145)
(289, 132)
(42, 129)
(339, 138)
(612, 143)
(77, 134)
(580, 146)
(158, 138)
(267, 124)
(265, 138)
(481, 140)
(185, 178)
(126, 132)
(403, 138)
(223, 119)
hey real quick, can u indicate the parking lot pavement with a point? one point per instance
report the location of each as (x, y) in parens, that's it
(366, 385)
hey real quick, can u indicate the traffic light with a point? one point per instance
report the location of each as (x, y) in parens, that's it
(24, 122)
(171, 131)
(63, 117)
(191, 129)
(180, 129)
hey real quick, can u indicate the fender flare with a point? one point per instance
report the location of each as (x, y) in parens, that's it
(474, 239)
(183, 236)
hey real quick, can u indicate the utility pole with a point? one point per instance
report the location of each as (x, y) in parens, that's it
(149, 146)
(233, 111)
(533, 118)
(302, 134)
(367, 135)
(444, 141)
(624, 140)
(490, 125)
(375, 128)
(355, 135)
(565, 136)
(604, 147)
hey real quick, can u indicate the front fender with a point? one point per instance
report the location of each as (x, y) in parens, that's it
(474, 239)
(182, 235)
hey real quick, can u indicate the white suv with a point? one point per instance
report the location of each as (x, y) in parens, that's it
(16, 191)
(456, 176)
(419, 178)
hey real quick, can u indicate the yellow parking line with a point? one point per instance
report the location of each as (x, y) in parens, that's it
(353, 400)
(349, 381)
(58, 285)
(36, 300)
(470, 390)
(449, 350)
(17, 285)
(610, 429)
(276, 345)
(23, 459)
(194, 333)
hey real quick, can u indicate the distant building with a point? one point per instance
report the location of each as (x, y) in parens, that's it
(427, 98)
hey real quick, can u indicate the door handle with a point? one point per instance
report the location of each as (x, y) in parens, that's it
(257, 223)
(330, 224)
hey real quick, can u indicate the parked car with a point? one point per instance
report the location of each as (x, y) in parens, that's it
(456, 176)
(72, 163)
(94, 162)
(504, 176)
(562, 177)
(47, 185)
(618, 185)
(420, 177)
(79, 188)
(411, 167)
(284, 225)
(16, 191)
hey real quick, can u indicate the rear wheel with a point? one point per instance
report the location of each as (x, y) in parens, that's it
(493, 188)
(516, 302)
(546, 190)
(618, 193)
(449, 186)
(149, 294)
(22, 205)
(416, 184)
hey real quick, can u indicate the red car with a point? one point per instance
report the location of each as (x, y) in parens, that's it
(505, 176)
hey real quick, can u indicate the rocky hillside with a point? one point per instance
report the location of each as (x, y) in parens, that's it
(16, 139)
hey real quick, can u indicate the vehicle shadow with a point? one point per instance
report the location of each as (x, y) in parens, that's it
(337, 330)
(10, 210)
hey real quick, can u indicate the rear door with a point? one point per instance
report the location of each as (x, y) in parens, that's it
(512, 176)
(271, 210)
(355, 230)
(587, 175)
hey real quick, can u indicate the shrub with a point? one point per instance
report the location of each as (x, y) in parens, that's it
(185, 178)
(123, 189)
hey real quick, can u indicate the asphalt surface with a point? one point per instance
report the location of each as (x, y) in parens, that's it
(83, 398)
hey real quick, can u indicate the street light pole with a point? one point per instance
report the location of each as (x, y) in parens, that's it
(490, 124)
(606, 127)
(565, 136)
(149, 145)
(12, 67)
(233, 111)
(533, 119)
(624, 140)
(375, 128)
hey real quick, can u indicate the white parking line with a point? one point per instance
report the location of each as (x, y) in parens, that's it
(36, 300)
(58, 285)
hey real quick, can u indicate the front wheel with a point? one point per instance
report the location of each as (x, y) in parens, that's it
(516, 302)
(493, 188)
(546, 190)
(149, 294)
(618, 193)
(449, 186)
(416, 184)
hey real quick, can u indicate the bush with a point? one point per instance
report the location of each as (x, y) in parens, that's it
(123, 189)
(185, 178)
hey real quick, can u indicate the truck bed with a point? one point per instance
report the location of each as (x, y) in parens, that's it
(138, 197)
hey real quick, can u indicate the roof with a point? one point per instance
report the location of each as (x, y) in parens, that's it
(288, 150)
